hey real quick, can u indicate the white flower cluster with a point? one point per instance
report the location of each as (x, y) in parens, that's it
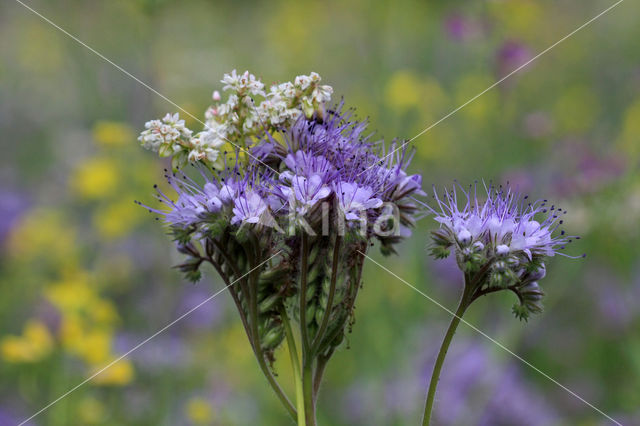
(165, 137)
(281, 106)
(206, 146)
(238, 121)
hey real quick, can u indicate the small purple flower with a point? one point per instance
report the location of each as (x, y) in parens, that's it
(248, 208)
(305, 193)
(355, 199)
(187, 210)
(304, 163)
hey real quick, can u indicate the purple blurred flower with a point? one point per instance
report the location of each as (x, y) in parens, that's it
(537, 124)
(159, 354)
(585, 171)
(12, 206)
(512, 399)
(510, 56)
(7, 419)
(207, 315)
(462, 28)
(611, 301)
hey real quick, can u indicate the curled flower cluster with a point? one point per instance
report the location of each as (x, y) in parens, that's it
(500, 243)
(243, 119)
(311, 205)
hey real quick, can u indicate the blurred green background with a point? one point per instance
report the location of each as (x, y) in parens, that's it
(84, 273)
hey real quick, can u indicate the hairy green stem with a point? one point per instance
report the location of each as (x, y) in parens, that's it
(304, 263)
(317, 377)
(307, 383)
(295, 366)
(253, 316)
(465, 300)
(317, 341)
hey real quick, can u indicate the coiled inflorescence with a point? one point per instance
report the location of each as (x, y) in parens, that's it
(501, 242)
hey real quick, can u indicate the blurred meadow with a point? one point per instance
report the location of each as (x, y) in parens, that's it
(85, 273)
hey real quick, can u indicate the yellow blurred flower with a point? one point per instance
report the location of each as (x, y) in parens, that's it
(71, 332)
(402, 91)
(40, 50)
(236, 344)
(87, 323)
(629, 139)
(290, 29)
(576, 110)
(95, 347)
(103, 312)
(91, 411)
(71, 293)
(116, 219)
(112, 133)
(481, 108)
(199, 411)
(119, 374)
(95, 178)
(43, 231)
(35, 344)
(518, 18)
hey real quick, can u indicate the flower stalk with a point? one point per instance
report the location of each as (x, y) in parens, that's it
(442, 353)
(295, 366)
(499, 244)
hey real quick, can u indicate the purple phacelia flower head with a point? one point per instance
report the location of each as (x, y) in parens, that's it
(287, 202)
(501, 240)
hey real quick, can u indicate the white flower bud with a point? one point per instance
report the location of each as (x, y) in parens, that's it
(502, 250)
(539, 273)
(216, 96)
(464, 236)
